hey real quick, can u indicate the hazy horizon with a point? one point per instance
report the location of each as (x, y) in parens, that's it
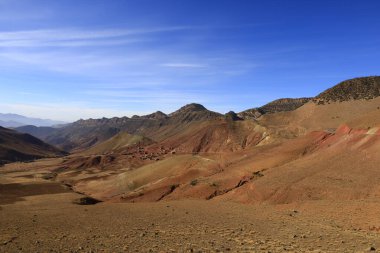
(91, 59)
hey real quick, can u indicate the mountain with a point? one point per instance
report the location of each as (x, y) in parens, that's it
(193, 112)
(156, 115)
(83, 134)
(39, 132)
(15, 146)
(353, 89)
(119, 142)
(284, 104)
(15, 120)
(295, 118)
(279, 105)
(287, 151)
(345, 102)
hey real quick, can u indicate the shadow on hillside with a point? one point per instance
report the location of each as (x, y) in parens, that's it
(11, 193)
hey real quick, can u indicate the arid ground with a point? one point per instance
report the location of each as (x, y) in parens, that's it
(38, 215)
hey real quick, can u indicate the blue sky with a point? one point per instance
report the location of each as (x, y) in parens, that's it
(70, 59)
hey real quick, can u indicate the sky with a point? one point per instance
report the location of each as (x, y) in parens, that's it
(71, 59)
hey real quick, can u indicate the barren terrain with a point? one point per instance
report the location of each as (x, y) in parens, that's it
(40, 216)
(302, 176)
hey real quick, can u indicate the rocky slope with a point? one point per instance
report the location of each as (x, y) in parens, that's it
(279, 105)
(284, 104)
(83, 134)
(353, 89)
(16, 146)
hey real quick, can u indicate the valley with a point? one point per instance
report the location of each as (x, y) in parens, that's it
(297, 175)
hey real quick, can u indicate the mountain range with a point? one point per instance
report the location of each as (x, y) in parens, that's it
(83, 134)
(15, 120)
(286, 151)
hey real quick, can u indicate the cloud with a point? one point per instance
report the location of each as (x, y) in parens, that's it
(63, 43)
(79, 37)
(112, 69)
(183, 65)
(113, 53)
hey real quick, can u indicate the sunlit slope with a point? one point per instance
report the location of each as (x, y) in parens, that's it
(118, 142)
(312, 116)
(341, 166)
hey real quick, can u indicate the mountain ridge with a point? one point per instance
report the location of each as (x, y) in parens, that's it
(82, 134)
(15, 146)
(351, 89)
(16, 120)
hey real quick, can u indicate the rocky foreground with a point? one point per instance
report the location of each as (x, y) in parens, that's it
(38, 215)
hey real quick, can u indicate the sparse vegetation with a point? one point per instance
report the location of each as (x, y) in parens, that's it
(284, 104)
(173, 187)
(257, 174)
(194, 182)
(358, 88)
(86, 201)
(214, 184)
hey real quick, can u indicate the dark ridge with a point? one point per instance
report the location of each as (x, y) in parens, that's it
(231, 115)
(253, 113)
(279, 105)
(15, 146)
(192, 112)
(283, 104)
(39, 132)
(353, 89)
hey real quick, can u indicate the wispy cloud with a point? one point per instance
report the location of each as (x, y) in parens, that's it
(66, 43)
(79, 37)
(125, 68)
(183, 65)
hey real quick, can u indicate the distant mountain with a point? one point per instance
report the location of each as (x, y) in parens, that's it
(85, 133)
(15, 120)
(39, 132)
(159, 126)
(15, 146)
(10, 123)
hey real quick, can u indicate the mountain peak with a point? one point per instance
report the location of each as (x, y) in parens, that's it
(155, 115)
(193, 112)
(231, 115)
(193, 107)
